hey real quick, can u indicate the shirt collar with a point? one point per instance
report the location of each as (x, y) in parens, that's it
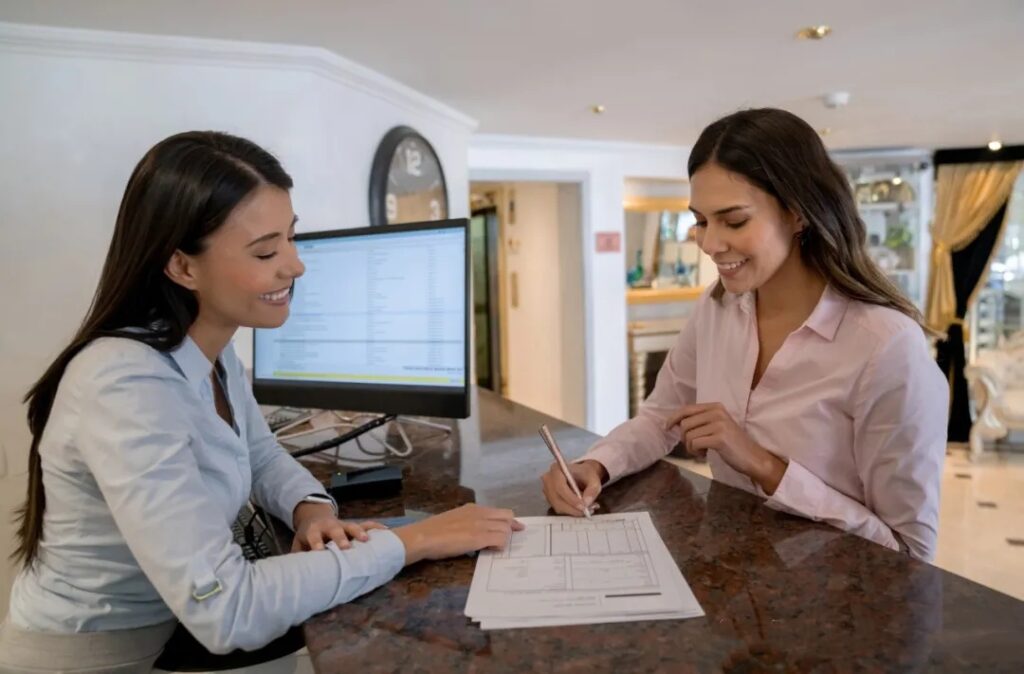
(824, 320)
(192, 362)
(828, 314)
(745, 301)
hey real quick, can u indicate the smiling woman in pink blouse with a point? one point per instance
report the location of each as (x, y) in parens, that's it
(803, 375)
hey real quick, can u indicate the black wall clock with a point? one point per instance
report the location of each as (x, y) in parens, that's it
(406, 180)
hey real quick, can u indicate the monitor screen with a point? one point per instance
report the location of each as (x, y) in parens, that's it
(379, 323)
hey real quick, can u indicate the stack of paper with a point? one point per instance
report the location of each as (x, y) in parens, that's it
(572, 571)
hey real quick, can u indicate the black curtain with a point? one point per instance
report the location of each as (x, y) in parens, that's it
(969, 265)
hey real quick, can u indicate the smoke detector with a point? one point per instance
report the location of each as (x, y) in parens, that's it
(836, 99)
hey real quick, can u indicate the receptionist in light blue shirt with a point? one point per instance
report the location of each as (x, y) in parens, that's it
(147, 440)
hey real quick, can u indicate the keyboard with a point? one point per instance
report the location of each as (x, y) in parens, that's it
(283, 416)
(251, 535)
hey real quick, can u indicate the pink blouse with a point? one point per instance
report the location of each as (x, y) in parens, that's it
(852, 401)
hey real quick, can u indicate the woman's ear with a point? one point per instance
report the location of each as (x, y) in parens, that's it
(798, 222)
(182, 270)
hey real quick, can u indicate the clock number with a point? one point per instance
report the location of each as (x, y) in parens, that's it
(406, 180)
(391, 204)
(413, 159)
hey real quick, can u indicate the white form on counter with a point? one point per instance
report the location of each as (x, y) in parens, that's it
(573, 571)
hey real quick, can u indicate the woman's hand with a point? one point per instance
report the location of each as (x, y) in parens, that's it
(589, 476)
(465, 529)
(316, 525)
(709, 426)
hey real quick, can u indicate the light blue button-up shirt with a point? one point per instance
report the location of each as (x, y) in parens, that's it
(143, 480)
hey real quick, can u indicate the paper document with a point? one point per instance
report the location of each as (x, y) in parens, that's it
(567, 570)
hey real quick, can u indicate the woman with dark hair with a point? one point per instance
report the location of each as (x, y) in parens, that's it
(803, 370)
(147, 441)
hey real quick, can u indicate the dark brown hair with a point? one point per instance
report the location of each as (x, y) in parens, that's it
(781, 154)
(179, 193)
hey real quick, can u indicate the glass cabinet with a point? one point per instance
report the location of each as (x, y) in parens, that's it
(893, 192)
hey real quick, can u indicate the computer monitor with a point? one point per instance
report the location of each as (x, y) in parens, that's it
(379, 323)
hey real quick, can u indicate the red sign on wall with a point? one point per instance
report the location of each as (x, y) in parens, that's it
(609, 242)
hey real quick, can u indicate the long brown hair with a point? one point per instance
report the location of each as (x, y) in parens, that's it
(781, 154)
(181, 191)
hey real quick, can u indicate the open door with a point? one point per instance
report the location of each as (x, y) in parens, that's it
(483, 227)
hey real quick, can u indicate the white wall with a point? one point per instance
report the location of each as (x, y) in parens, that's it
(601, 169)
(79, 110)
(573, 369)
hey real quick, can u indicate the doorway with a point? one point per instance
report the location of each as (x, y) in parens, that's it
(527, 246)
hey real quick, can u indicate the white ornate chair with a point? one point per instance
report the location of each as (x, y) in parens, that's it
(996, 381)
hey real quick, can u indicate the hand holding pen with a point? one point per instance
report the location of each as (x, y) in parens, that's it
(571, 489)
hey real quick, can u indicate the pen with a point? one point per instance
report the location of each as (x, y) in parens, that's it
(549, 440)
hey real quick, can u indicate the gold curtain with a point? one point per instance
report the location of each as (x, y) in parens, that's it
(967, 197)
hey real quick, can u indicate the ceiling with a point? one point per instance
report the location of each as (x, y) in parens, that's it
(921, 73)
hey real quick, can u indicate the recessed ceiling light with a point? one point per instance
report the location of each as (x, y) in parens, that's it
(597, 109)
(824, 131)
(995, 146)
(814, 32)
(897, 180)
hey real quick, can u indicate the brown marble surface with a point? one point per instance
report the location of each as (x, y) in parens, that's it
(781, 594)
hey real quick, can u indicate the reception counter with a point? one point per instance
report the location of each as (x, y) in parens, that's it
(781, 594)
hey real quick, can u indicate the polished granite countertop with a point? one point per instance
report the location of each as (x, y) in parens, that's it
(781, 594)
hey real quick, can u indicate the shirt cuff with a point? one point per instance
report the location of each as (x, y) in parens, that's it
(798, 493)
(608, 456)
(367, 564)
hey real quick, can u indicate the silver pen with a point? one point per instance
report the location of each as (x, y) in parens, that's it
(549, 440)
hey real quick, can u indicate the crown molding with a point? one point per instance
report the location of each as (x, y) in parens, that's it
(510, 141)
(110, 45)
